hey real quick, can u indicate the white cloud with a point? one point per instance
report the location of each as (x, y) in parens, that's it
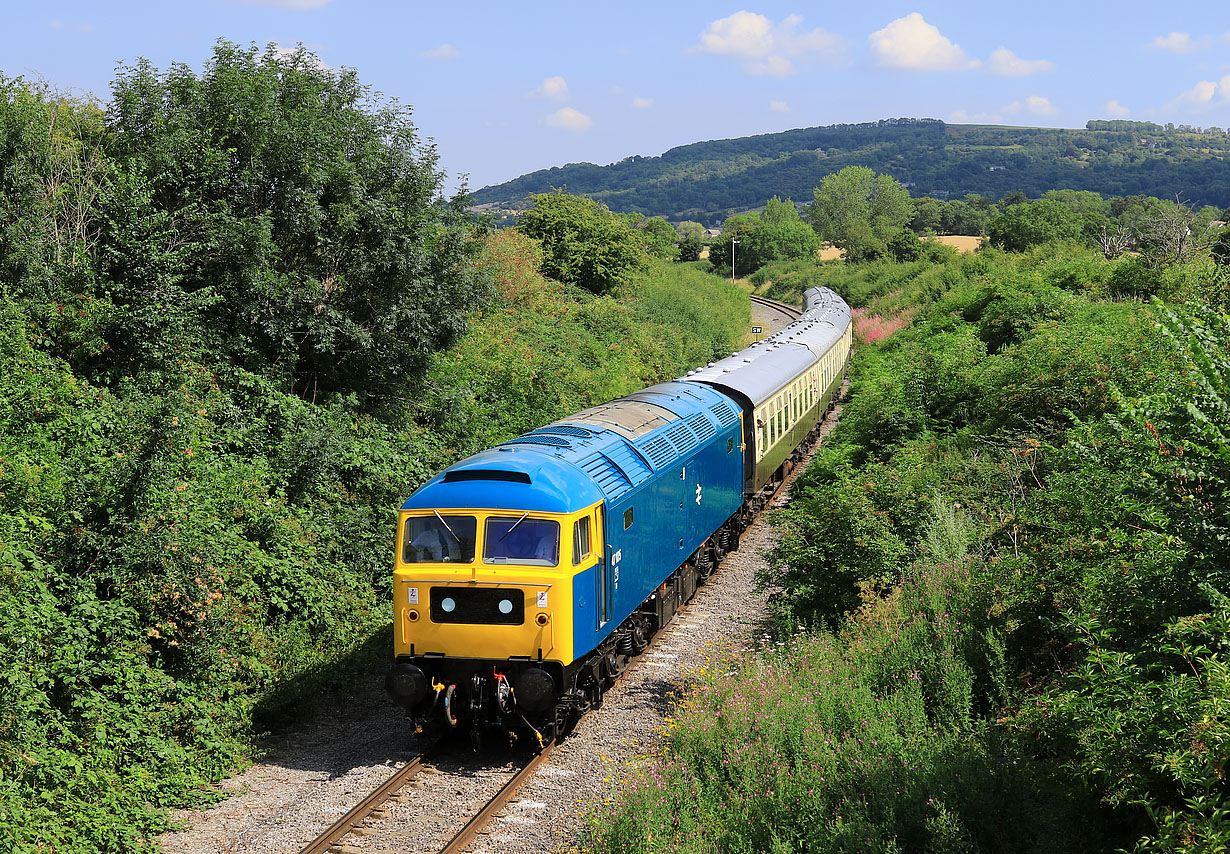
(640, 103)
(1005, 63)
(1034, 104)
(555, 88)
(567, 118)
(1175, 43)
(1186, 42)
(766, 49)
(1116, 110)
(444, 51)
(309, 55)
(962, 117)
(779, 106)
(911, 44)
(1039, 106)
(1200, 94)
(287, 4)
(1204, 93)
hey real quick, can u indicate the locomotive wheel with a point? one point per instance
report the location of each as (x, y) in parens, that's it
(639, 641)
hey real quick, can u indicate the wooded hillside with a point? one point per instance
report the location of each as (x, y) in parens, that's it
(705, 181)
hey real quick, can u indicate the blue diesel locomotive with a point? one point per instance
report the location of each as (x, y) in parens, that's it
(528, 575)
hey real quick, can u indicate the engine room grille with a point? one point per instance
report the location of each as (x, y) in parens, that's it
(681, 437)
(566, 430)
(725, 415)
(702, 426)
(659, 451)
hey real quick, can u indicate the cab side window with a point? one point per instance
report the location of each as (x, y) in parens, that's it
(580, 541)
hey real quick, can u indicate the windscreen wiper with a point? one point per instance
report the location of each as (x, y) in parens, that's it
(514, 527)
(446, 527)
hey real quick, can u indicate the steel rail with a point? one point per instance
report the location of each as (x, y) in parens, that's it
(354, 819)
(475, 825)
(793, 312)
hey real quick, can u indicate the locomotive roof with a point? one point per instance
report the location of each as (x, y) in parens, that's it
(761, 370)
(601, 452)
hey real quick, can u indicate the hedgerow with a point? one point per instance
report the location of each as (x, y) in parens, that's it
(1008, 566)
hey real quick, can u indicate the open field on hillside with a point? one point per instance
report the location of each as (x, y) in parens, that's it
(961, 242)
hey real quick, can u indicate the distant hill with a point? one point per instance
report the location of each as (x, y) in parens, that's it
(705, 181)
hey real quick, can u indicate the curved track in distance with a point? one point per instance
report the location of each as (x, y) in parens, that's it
(790, 312)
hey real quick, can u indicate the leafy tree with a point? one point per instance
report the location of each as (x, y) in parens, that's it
(689, 228)
(781, 234)
(1221, 246)
(583, 242)
(776, 234)
(905, 246)
(1033, 223)
(689, 249)
(1080, 201)
(53, 167)
(858, 210)
(928, 216)
(282, 214)
(661, 239)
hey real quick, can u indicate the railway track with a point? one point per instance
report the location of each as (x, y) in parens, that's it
(357, 818)
(789, 311)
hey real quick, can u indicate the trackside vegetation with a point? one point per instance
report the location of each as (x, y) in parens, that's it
(240, 323)
(1002, 585)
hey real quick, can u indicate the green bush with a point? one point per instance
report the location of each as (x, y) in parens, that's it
(869, 739)
(1072, 450)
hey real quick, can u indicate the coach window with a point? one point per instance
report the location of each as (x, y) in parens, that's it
(580, 541)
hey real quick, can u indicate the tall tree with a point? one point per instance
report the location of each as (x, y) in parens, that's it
(285, 215)
(689, 228)
(858, 211)
(583, 242)
(1029, 224)
(661, 239)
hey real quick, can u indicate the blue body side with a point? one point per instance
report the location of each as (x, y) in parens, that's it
(695, 486)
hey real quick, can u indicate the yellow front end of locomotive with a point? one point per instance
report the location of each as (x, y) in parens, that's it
(488, 584)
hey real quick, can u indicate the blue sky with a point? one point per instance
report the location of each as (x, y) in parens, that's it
(505, 88)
